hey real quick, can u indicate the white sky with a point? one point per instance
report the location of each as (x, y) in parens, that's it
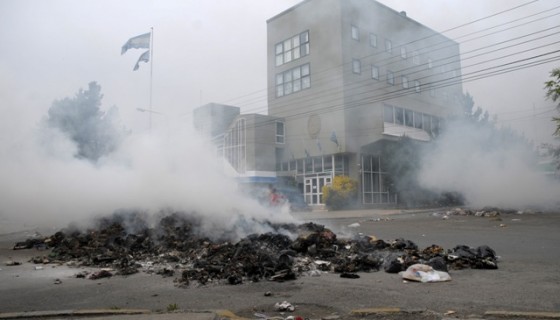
(215, 51)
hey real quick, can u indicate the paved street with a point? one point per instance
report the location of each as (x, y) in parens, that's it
(527, 279)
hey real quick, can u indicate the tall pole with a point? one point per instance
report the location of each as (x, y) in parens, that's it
(151, 77)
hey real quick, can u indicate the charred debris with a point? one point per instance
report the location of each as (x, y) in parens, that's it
(175, 248)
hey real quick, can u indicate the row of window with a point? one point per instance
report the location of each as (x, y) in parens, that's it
(357, 68)
(409, 118)
(235, 146)
(293, 80)
(318, 165)
(404, 52)
(292, 48)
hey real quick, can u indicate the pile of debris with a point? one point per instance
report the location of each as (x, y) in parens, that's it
(175, 248)
(484, 212)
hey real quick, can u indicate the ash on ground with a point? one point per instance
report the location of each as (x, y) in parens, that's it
(174, 248)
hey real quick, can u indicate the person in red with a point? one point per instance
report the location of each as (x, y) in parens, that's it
(274, 197)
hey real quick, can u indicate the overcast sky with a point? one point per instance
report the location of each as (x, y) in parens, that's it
(215, 51)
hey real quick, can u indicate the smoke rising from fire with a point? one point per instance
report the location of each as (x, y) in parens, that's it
(42, 183)
(488, 169)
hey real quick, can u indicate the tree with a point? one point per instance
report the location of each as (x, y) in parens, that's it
(96, 133)
(552, 88)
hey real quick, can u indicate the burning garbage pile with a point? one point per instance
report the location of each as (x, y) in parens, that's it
(176, 248)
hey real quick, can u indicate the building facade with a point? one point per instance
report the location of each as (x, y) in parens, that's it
(347, 77)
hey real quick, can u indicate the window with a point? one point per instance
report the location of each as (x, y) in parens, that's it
(375, 72)
(430, 63)
(388, 114)
(399, 115)
(390, 77)
(426, 123)
(373, 40)
(415, 57)
(408, 120)
(355, 33)
(403, 52)
(417, 120)
(292, 48)
(293, 80)
(404, 81)
(280, 132)
(417, 86)
(356, 66)
(388, 46)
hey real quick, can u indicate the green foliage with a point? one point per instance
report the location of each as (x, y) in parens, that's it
(172, 307)
(552, 88)
(341, 194)
(95, 133)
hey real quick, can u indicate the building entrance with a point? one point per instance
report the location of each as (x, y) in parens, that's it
(313, 190)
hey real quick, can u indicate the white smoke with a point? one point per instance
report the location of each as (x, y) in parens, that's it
(468, 160)
(43, 184)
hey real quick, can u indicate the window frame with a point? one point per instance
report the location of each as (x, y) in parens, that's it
(374, 72)
(280, 137)
(356, 66)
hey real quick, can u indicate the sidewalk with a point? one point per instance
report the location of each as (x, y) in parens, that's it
(359, 213)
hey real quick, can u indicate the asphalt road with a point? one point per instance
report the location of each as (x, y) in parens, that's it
(527, 278)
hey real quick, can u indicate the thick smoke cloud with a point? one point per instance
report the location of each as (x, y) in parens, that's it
(488, 168)
(43, 183)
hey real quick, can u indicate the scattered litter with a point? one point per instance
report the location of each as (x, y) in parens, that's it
(174, 247)
(12, 263)
(38, 268)
(515, 219)
(284, 306)
(100, 274)
(503, 225)
(57, 281)
(354, 225)
(424, 273)
(349, 275)
(449, 312)
(268, 294)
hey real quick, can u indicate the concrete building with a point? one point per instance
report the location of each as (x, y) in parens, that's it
(345, 78)
(247, 142)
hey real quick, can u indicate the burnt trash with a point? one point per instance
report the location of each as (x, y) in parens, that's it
(349, 275)
(482, 257)
(175, 247)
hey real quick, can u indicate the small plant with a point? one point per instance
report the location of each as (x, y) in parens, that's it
(341, 194)
(114, 308)
(172, 307)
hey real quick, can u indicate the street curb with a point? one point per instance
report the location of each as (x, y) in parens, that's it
(373, 311)
(72, 313)
(227, 314)
(522, 314)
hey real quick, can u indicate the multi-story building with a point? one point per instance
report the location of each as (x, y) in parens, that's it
(347, 77)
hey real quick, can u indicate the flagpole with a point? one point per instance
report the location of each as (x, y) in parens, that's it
(151, 77)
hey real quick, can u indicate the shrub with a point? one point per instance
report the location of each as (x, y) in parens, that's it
(341, 194)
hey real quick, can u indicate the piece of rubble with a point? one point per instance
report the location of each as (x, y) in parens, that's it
(424, 273)
(11, 263)
(284, 306)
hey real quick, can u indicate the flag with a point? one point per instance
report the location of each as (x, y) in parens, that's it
(144, 57)
(139, 42)
(319, 145)
(307, 153)
(333, 138)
